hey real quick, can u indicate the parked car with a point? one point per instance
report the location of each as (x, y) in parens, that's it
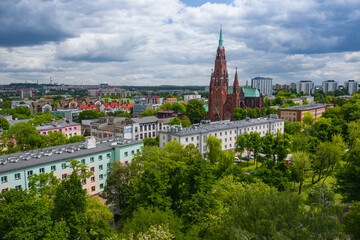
(238, 160)
(246, 158)
(288, 162)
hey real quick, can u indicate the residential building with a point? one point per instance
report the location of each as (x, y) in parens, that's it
(263, 84)
(96, 155)
(310, 99)
(6, 116)
(296, 113)
(329, 85)
(66, 127)
(26, 93)
(187, 98)
(41, 107)
(351, 86)
(93, 92)
(139, 108)
(226, 131)
(70, 114)
(304, 86)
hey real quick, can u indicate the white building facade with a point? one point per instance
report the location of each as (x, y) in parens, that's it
(305, 86)
(263, 84)
(351, 86)
(226, 131)
(329, 85)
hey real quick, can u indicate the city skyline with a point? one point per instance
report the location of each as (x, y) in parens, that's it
(173, 42)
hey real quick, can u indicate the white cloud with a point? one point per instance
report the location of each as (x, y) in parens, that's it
(152, 42)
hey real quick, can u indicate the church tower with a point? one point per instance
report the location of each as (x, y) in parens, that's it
(219, 84)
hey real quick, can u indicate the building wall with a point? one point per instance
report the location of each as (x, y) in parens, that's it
(228, 137)
(69, 131)
(99, 163)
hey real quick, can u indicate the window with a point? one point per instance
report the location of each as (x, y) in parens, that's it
(69, 129)
(74, 134)
(4, 179)
(137, 150)
(93, 179)
(101, 177)
(225, 132)
(63, 165)
(108, 155)
(230, 132)
(230, 145)
(225, 146)
(100, 167)
(53, 168)
(197, 138)
(83, 161)
(17, 176)
(93, 188)
(63, 176)
(101, 186)
(100, 157)
(92, 169)
(192, 138)
(220, 134)
(132, 152)
(30, 173)
(18, 187)
(108, 165)
(74, 128)
(145, 128)
(126, 154)
(186, 139)
(92, 159)
(215, 134)
(83, 181)
(41, 170)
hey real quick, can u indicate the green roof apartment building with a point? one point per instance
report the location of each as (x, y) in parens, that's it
(97, 155)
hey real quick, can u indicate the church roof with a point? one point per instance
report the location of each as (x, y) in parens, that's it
(251, 92)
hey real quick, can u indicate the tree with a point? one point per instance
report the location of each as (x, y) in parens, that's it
(308, 119)
(88, 114)
(55, 139)
(144, 218)
(23, 216)
(170, 96)
(151, 141)
(98, 219)
(185, 123)
(75, 139)
(4, 124)
(292, 127)
(305, 102)
(214, 152)
(240, 144)
(301, 166)
(175, 121)
(328, 154)
(70, 201)
(149, 112)
(177, 107)
(352, 221)
(252, 113)
(239, 113)
(25, 135)
(195, 111)
(256, 144)
(347, 175)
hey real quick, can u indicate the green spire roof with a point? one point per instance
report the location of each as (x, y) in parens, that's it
(220, 39)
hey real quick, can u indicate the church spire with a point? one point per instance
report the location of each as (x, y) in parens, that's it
(220, 39)
(236, 83)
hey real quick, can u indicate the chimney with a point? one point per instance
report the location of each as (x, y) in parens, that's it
(90, 142)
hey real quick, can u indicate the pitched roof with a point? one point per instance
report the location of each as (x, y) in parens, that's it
(251, 92)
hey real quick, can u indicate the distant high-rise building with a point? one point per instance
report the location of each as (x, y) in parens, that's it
(351, 86)
(304, 86)
(26, 93)
(263, 84)
(329, 85)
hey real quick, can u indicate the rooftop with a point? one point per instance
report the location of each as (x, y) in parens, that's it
(31, 158)
(305, 107)
(57, 124)
(221, 125)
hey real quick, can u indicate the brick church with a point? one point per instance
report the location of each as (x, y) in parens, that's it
(223, 99)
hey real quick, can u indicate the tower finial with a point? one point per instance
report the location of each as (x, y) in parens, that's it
(220, 39)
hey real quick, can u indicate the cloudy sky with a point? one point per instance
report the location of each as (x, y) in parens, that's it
(155, 42)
